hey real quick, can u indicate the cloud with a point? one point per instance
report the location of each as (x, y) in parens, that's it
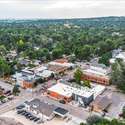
(60, 8)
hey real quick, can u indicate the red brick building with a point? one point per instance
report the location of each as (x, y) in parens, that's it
(97, 75)
(95, 78)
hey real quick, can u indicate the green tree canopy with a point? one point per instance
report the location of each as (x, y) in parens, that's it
(77, 75)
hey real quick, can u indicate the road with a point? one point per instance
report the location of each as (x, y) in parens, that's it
(6, 86)
(24, 96)
(75, 111)
(27, 96)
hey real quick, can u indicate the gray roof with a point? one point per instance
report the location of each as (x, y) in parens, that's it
(42, 107)
(61, 111)
(102, 101)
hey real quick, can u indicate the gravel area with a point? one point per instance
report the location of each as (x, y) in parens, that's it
(8, 121)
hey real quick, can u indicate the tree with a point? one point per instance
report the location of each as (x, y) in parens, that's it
(20, 45)
(4, 67)
(83, 53)
(93, 120)
(87, 83)
(77, 75)
(16, 90)
(82, 123)
(96, 120)
(105, 58)
(57, 53)
(3, 50)
(123, 112)
(118, 74)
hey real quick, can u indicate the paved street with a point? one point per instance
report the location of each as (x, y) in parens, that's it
(6, 86)
(75, 111)
(80, 112)
(27, 96)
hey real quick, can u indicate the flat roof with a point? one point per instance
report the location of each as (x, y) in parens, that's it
(62, 64)
(61, 111)
(67, 90)
(61, 89)
(39, 68)
(56, 68)
(94, 72)
(45, 73)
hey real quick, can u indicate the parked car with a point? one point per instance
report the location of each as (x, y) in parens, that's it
(32, 118)
(36, 119)
(20, 111)
(62, 101)
(40, 121)
(24, 112)
(29, 116)
(20, 107)
(7, 92)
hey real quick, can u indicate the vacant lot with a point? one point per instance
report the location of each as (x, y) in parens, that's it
(8, 121)
(12, 114)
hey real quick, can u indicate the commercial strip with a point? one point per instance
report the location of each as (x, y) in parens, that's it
(96, 74)
(27, 76)
(83, 95)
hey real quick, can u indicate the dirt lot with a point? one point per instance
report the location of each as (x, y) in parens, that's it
(12, 114)
(8, 121)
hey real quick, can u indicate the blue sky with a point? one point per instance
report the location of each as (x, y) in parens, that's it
(60, 8)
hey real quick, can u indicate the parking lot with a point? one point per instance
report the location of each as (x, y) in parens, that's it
(30, 116)
(118, 101)
(13, 114)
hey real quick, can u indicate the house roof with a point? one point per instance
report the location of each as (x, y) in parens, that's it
(57, 68)
(102, 102)
(62, 60)
(65, 64)
(42, 107)
(24, 61)
(45, 73)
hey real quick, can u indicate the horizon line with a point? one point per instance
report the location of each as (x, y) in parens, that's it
(39, 18)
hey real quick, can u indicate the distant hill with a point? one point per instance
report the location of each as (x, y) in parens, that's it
(84, 22)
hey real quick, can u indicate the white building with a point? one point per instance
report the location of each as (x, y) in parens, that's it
(45, 74)
(119, 54)
(81, 95)
(65, 64)
(44, 110)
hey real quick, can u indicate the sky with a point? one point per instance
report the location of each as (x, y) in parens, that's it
(29, 9)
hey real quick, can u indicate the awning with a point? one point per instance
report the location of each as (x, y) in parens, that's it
(61, 112)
